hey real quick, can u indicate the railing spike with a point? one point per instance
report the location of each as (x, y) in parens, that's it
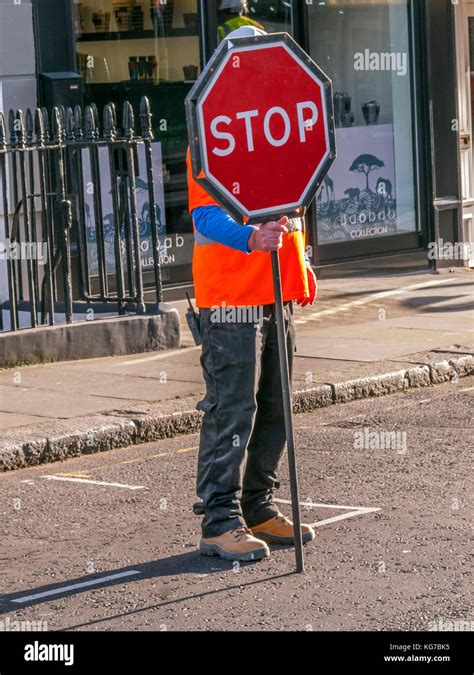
(78, 121)
(62, 113)
(70, 126)
(89, 124)
(20, 127)
(57, 125)
(114, 112)
(128, 120)
(12, 127)
(29, 126)
(3, 132)
(109, 126)
(95, 113)
(145, 118)
(46, 123)
(39, 126)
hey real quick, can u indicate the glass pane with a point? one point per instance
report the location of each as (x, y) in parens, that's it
(364, 48)
(271, 16)
(130, 48)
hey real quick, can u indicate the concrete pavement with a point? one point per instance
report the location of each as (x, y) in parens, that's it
(366, 336)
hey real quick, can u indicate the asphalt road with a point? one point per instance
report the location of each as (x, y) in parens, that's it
(393, 549)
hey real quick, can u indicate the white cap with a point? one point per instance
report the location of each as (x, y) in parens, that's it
(245, 31)
(234, 5)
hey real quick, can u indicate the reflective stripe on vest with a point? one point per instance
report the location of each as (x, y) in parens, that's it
(294, 225)
(201, 240)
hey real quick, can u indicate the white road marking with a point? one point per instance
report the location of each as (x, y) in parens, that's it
(74, 587)
(351, 511)
(370, 298)
(97, 482)
(156, 357)
(28, 481)
(343, 516)
(73, 474)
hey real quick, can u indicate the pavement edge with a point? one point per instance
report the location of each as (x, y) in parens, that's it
(34, 445)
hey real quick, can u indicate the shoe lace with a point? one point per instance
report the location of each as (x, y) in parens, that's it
(239, 532)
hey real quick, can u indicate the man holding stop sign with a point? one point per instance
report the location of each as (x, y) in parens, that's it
(250, 132)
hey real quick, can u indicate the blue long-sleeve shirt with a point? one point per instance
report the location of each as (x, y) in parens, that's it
(214, 224)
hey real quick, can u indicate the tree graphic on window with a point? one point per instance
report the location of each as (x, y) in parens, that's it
(366, 164)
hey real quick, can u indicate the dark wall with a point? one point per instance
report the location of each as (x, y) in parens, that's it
(54, 35)
(442, 52)
(443, 116)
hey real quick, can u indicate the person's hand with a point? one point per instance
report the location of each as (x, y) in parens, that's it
(268, 236)
(312, 286)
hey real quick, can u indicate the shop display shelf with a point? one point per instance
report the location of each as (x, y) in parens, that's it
(137, 34)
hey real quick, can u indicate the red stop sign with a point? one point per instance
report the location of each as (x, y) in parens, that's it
(261, 127)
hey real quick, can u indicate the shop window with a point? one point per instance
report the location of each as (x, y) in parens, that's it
(130, 48)
(364, 48)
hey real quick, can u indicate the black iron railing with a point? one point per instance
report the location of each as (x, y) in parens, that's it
(73, 223)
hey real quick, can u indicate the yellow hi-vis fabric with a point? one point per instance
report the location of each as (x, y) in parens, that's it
(238, 22)
(225, 276)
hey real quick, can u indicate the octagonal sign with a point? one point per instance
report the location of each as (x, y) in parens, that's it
(261, 127)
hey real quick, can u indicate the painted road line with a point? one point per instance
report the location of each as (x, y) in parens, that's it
(467, 389)
(350, 511)
(405, 289)
(371, 298)
(142, 459)
(309, 504)
(343, 516)
(102, 483)
(135, 459)
(73, 474)
(159, 455)
(156, 357)
(75, 587)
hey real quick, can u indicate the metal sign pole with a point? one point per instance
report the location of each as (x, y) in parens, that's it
(287, 411)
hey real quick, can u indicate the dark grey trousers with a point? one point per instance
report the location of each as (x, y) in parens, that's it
(243, 431)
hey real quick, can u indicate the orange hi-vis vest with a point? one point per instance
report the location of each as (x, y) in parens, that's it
(224, 276)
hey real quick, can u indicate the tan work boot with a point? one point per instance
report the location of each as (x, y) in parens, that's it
(237, 544)
(280, 530)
